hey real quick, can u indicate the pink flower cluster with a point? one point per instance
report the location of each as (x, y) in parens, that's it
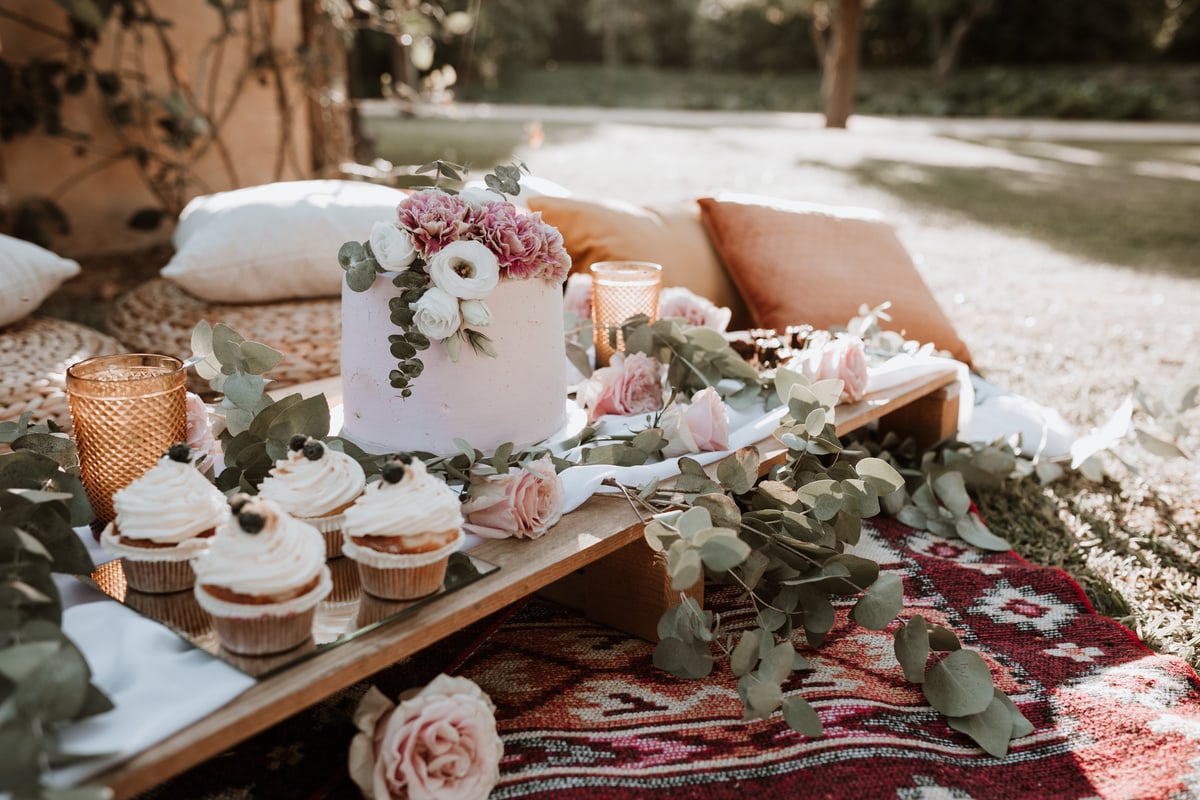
(699, 426)
(841, 357)
(524, 244)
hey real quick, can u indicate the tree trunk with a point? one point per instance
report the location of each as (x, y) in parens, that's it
(946, 55)
(841, 64)
(332, 120)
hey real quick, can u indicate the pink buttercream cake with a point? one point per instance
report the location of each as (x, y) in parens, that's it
(518, 396)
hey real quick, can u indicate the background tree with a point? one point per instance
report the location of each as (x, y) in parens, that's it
(841, 63)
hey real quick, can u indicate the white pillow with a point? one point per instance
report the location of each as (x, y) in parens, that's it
(276, 241)
(28, 275)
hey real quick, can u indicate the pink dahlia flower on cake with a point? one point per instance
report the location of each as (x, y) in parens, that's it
(434, 219)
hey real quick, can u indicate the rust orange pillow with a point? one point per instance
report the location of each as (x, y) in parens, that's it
(669, 235)
(797, 264)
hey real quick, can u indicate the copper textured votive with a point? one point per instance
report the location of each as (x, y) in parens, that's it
(620, 290)
(126, 411)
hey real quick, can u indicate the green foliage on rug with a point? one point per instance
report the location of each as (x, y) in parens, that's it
(784, 538)
(45, 683)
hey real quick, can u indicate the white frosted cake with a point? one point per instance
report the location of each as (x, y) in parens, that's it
(518, 396)
(452, 327)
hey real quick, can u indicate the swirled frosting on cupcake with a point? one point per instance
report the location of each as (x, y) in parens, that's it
(276, 560)
(171, 504)
(412, 507)
(313, 480)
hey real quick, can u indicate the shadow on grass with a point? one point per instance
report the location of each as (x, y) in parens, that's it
(1130, 205)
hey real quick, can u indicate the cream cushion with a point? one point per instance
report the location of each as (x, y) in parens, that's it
(28, 275)
(276, 241)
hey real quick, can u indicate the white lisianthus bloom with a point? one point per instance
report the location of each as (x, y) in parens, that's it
(476, 196)
(465, 269)
(436, 314)
(476, 312)
(392, 245)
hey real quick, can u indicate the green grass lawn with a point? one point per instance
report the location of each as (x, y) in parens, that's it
(1134, 204)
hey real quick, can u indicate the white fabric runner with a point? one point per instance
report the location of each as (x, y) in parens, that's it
(161, 684)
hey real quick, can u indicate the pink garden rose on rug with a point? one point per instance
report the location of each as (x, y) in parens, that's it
(630, 384)
(522, 503)
(439, 743)
(699, 426)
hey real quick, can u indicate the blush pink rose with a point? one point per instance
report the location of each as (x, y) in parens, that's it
(841, 358)
(630, 384)
(577, 299)
(200, 438)
(683, 303)
(523, 503)
(439, 743)
(699, 426)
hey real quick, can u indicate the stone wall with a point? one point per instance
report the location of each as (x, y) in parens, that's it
(259, 140)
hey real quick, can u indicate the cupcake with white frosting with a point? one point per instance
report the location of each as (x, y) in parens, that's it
(163, 520)
(316, 484)
(402, 531)
(261, 578)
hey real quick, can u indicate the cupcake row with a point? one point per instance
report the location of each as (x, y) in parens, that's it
(257, 565)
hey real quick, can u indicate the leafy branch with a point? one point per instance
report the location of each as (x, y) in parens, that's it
(784, 538)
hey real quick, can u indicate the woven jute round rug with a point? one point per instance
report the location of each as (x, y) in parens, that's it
(158, 317)
(34, 356)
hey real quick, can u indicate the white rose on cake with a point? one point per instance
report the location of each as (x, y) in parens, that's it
(465, 269)
(436, 314)
(476, 312)
(392, 245)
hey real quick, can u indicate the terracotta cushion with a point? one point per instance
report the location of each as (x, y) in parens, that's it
(669, 235)
(797, 264)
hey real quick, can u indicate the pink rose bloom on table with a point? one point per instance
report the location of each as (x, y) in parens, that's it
(841, 358)
(678, 301)
(630, 384)
(523, 503)
(577, 299)
(439, 743)
(699, 426)
(200, 437)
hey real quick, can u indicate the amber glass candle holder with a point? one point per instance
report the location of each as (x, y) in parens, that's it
(126, 411)
(620, 290)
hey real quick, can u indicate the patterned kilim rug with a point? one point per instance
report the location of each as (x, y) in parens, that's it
(585, 714)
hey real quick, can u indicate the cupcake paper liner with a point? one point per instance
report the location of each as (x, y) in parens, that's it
(157, 577)
(262, 635)
(331, 529)
(403, 583)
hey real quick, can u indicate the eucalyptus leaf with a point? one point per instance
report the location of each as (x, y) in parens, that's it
(739, 471)
(1021, 725)
(881, 603)
(57, 689)
(763, 697)
(881, 476)
(952, 491)
(723, 553)
(745, 655)
(972, 530)
(721, 509)
(259, 358)
(19, 661)
(685, 570)
(1157, 446)
(683, 660)
(693, 521)
(959, 685)
(777, 663)
(991, 728)
(801, 717)
(912, 648)
(942, 639)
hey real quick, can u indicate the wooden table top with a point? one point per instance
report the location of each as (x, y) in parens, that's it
(599, 527)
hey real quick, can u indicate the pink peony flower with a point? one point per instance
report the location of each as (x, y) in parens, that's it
(702, 425)
(628, 385)
(439, 743)
(841, 358)
(200, 437)
(578, 296)
(677, 301)
(435, 218)
(522, 503)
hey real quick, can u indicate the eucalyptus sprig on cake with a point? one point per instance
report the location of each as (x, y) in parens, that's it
(446, 252)
(785, 539)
